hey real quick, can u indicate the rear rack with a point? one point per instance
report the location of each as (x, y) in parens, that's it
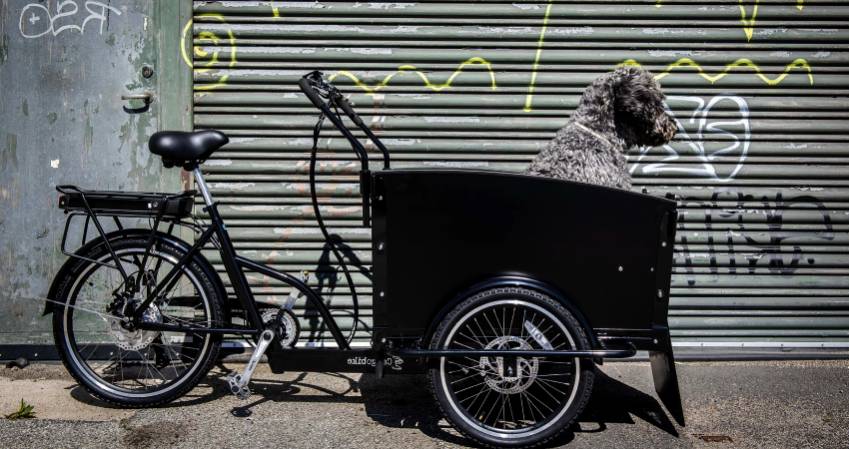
(94, 204)
(126, 204)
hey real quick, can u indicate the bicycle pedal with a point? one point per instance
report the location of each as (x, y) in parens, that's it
(238, 387)
(244, 393)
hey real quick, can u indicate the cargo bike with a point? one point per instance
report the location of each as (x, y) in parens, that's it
(505, 289)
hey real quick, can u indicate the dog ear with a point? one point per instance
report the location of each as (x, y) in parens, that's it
(633, 90)
(597, 107)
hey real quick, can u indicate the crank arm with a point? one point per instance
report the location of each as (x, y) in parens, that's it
(239, 382)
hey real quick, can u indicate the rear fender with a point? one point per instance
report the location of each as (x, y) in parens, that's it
(65, 270)
(513, 281)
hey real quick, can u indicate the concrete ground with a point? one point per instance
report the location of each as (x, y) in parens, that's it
(727, 404)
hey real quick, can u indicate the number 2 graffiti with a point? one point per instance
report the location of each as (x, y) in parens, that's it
(719, 144)
(36, 19)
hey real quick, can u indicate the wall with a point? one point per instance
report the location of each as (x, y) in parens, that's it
(63, 67)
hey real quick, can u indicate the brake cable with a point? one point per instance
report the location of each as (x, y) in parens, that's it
(332, 243)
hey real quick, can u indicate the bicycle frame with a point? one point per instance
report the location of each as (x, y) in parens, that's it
(235, 266)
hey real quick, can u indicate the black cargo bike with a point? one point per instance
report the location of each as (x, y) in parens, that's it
(506, 289)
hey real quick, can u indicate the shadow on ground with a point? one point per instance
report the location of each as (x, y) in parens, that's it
(406, 402)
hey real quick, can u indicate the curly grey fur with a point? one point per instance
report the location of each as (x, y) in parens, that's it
(619, 110)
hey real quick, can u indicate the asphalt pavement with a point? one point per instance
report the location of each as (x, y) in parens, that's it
(794, 404)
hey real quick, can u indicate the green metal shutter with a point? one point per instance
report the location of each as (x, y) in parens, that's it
(759, 168)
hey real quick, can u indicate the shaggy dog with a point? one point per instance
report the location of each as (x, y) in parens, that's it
(619, 110)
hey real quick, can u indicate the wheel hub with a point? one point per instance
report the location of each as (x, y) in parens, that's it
(509, 375)
(134, 339)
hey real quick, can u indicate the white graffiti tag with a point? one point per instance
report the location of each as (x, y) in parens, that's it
(719, 144)
(36, 19)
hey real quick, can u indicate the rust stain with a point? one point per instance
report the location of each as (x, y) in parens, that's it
(713, 438)
(9, 154)
(4, 47)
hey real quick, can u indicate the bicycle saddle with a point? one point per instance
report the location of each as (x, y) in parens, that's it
(186, 148)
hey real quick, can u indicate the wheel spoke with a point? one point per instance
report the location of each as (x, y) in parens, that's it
(486, 318)
(532, 406)
(510, 409)
(543, 388)
(480, 407)
(470, 387)
(482, 390)
(475, 339)
(493, 408)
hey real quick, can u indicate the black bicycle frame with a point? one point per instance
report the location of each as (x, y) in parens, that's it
(235, 266)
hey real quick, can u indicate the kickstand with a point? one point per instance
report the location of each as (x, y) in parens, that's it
(239, 382)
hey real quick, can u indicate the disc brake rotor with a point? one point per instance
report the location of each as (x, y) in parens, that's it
(509, 375)
(136, 339)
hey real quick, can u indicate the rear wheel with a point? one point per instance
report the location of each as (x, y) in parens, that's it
(135, 367)
(511, 402)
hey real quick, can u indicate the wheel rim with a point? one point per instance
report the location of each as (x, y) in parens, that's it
(144, 363)
(504, 398)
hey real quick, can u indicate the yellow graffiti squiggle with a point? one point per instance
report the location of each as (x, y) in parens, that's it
(529, 99)
(747, 21)
(370, 90)
(798, 63)
(199, 52)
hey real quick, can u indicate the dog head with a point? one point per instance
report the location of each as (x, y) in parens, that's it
(629, 102)
(641, 118)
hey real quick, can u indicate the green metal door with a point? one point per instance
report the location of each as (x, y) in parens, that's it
(759, 88)
(64, 67)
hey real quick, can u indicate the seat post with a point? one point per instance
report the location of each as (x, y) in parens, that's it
(204, 190)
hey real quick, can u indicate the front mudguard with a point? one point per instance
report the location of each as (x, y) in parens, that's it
(665, 376)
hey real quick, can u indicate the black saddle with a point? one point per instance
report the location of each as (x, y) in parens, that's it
(186, 149)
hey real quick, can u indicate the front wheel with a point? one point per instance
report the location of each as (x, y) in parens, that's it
(134, 367)
(511, 402)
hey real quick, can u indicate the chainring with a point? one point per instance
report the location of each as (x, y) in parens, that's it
(285, 326)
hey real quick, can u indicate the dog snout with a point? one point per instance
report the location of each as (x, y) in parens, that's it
(666, 127)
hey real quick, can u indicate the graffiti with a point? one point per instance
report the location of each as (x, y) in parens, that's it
(798, 63)
(778, 250)
(214, 54)
(427, 83)
(748, 22)
(36, 19)
(713, 154)
(214, 40)
(529, 99)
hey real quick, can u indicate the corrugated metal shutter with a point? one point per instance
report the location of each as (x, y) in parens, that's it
(760, 166)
